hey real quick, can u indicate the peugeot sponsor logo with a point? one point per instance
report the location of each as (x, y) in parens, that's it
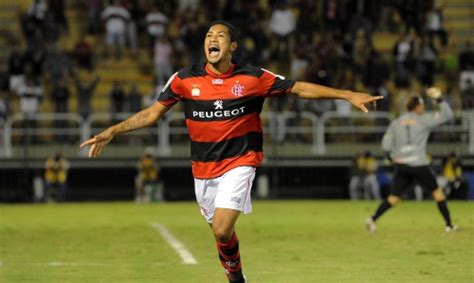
(219, 111)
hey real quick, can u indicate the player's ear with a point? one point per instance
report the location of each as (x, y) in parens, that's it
(233, 46)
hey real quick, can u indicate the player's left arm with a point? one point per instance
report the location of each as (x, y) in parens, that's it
(315, 91)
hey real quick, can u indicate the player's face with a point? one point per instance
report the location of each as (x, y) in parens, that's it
(217, 44)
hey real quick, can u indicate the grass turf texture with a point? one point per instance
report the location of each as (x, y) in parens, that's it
(281, 241)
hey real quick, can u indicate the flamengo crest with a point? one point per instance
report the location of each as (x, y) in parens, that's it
(237, 89)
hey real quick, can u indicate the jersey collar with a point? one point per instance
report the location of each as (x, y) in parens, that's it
(226, 74)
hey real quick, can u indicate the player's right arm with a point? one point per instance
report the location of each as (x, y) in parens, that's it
(139, 120)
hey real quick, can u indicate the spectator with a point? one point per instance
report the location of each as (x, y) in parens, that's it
(465, 76)
(31, 95)
(56, 8)
(51, 32)
(427, 55)
(60, 95)
(134, 99)
(376, 70)
(93, 15)
(364, 177)
(116, 18)
(467, 96)
(133, 9)
(57, 65)
(191, 35)
(282, 24)
(403, 56)
(117, 99)
(5, 109)
(34, 62)
(451, 178)
(84, 91)
(55, 178)
(162, 59)
(30, 32)
(83, 53)
(146, 181)
(466, 56)
(434, 25)
(357, 176)
(156, 23)
(37, 12)
(16, 65)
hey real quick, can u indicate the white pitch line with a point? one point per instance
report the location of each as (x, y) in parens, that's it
(185, 255)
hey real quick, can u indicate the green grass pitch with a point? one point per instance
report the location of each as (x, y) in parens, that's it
(281, 241)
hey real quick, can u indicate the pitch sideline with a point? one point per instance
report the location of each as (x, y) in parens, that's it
(185, 255)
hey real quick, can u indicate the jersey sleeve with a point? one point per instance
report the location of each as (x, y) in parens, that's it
(170, 94)
(439, 117)
(273, 85)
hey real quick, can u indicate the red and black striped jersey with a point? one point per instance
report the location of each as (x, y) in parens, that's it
(223, 114)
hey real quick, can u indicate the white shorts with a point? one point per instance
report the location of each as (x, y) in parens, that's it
(231, 190)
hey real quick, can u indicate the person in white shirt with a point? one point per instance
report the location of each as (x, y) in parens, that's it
(282, 24)
(116, 18)
(156, 23)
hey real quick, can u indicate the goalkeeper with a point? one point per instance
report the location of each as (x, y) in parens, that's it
(404, 143)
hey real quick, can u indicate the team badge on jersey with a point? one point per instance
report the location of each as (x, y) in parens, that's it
(237, 89)
(195, 91)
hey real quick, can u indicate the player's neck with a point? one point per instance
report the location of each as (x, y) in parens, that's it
(219, 67)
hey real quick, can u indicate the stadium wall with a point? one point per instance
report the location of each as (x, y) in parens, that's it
(113, 179)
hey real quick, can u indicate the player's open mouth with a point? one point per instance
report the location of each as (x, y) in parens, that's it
(214, 51)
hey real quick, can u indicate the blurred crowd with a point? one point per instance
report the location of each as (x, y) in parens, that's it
(330, 42)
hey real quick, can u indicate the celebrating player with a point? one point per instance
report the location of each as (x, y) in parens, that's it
(222, 103)
(404, 143)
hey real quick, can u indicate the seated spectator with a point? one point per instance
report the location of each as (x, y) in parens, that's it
(116, 18)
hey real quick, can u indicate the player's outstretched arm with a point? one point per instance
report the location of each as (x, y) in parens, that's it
(139, 120)
(315, 91)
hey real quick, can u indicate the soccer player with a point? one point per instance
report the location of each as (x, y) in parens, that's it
(404, 144)
(222, 104)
